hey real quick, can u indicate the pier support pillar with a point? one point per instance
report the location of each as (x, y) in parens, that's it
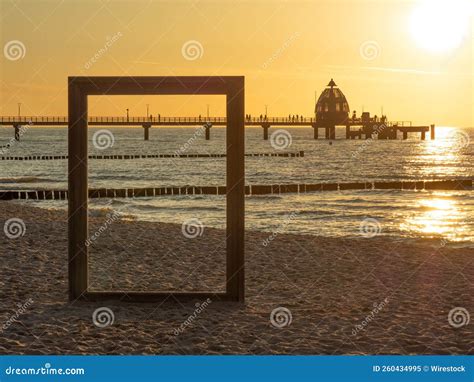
(332, 132)
(17, 132)
(348, 132)
(423, 135)
(405, 135)
(146, 132)
(433, 134)
(393, 133)
(326, 130)
(315, 132)
(208, 126)
(265, 132)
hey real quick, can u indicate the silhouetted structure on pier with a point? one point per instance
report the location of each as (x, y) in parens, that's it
(332, 109)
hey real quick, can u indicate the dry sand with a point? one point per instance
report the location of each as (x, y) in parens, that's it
(329, 285)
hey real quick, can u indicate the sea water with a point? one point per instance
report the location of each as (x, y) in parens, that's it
(447, 215)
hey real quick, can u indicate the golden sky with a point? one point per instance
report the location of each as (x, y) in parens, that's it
(413, 58)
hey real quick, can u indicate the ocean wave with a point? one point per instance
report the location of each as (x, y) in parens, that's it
(25, 179)
(148, 207)
(263, 197)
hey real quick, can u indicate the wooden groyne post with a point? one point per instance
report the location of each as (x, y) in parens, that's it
(453, 184)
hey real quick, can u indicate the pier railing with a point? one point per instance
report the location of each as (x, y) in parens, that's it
(152, 119)
(55, 120)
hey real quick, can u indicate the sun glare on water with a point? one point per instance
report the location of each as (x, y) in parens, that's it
(440, 26)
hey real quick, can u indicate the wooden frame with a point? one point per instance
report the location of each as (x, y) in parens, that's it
(79, 89)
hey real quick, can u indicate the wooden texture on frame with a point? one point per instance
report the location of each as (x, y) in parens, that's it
(81, 87)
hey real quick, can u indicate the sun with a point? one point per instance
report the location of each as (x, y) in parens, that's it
(440, 26)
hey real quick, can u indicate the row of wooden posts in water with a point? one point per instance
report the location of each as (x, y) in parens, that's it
(456, 184)
(298, 154)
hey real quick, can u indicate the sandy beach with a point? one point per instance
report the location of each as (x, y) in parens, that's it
(345, 296)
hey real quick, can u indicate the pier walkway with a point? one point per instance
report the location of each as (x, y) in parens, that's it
(355, 128)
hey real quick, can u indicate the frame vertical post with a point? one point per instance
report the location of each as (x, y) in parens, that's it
(78, 191)
(235, 191)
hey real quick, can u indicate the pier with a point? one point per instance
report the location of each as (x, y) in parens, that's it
(357, 128)
(331, 112)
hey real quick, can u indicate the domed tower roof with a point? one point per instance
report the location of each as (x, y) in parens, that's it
(332, 107)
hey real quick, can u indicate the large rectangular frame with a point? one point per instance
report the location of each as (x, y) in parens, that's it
(79, 89)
